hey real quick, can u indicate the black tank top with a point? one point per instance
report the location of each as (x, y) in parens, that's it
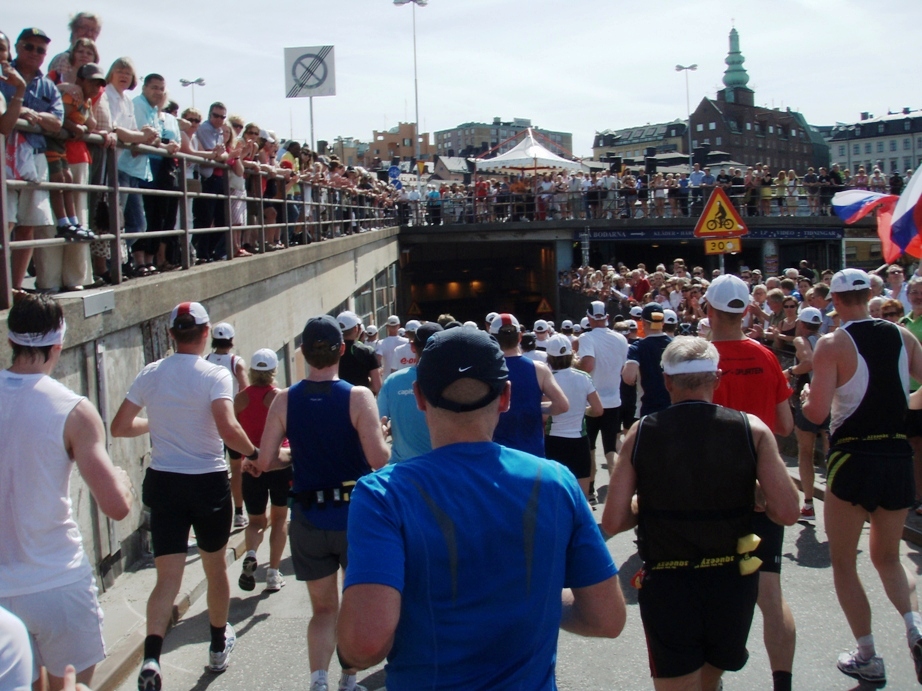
(696, 474)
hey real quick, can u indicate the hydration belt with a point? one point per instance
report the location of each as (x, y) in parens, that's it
(332, 496)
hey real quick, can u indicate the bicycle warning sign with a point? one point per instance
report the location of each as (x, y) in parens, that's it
(720, 218)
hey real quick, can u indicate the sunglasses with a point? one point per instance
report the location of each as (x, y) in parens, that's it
(32, 48)
(790, 307)
(194, 121)
(236, 126)
(252, 133)
(220, 117)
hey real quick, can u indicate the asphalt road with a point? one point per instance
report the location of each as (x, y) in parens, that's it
(271, 647)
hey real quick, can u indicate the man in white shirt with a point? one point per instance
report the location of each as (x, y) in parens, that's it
(386, 346)
(190, 418)
(45, 576)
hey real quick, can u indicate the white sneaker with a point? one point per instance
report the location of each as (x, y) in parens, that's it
(870, 671)
(357, 687)
(241, 521)
(217, 662)
(274, 581)
(150, 677)
(319, 686)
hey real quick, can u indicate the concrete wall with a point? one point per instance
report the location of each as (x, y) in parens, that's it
(267, 299)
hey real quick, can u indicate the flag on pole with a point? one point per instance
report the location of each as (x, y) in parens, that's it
(907, 216)
(853, 205)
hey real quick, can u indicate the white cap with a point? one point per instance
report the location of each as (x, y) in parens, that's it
(491, 316)
(810, 315)
(847, 280)
(348, 320)
(558, 345)
(264, 360)
(637, 311)
(596, 310)
(393, 320)
(412, 325)
(223, 331)
(577, 328)
(566, 324)
(371, 330)
(193, 309)
(502, 320)
(470, 324)
(728, 293)
(401, 331)
(584, 323)
(670, 317)
(631, 324)
(704, 327)
(541, 326)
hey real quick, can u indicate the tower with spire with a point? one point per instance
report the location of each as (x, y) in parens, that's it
(736, 78)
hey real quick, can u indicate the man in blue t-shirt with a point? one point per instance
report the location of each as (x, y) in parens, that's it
(644, 358)
(400, 416)
(442, 543)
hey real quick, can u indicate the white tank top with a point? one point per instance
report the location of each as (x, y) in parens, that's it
(40, 544)
(229, 362)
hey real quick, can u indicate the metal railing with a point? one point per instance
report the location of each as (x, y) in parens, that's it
(329, 212)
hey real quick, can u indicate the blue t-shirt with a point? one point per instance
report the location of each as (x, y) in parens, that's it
(409, 430)
(648, 354)
(479, 539)
(522, 427)
(42, 96)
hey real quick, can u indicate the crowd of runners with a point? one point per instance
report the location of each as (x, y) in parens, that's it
(401, 437)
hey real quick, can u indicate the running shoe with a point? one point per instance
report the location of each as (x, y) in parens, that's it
(241, 521)
(808, 513)
(149, 678)
(916, 650)
(870, 671)
(357, 687)
(319, 686)
(247, 580)
(217, 662)
(274, 581)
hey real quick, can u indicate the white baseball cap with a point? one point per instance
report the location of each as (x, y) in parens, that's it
(503, 320)
(559, 345)
(728, 293)
(670, 317)
(193, 309)
(223, 331)
(371, 330)
(596, 310)
(264, 360)
(393, 320)
(584, 323)
(810, 315)
(491, 316)
(637, 311)
(348, 320)
(541, 326)
(566, 324)
(412, 325)
(848, 280)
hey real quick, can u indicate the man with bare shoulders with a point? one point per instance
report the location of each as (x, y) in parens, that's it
(335, 438)
(861, 374)
(47, 429)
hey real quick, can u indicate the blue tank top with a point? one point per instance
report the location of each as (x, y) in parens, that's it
(521, 427)
(325, 447)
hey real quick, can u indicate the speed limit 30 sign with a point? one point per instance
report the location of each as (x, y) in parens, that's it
(722, 246)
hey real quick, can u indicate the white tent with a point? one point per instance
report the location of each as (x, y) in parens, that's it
(528, 154)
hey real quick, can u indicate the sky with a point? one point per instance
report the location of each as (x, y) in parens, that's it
(578, 66)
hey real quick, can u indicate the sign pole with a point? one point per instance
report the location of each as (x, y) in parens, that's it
(311, 100)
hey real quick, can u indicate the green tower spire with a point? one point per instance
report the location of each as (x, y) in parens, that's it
(736, 75)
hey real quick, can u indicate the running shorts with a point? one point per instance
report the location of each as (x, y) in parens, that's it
(268, 487)
(609, 424)
(315, 553)
(573, 453)
(178, 502)
(872, 481)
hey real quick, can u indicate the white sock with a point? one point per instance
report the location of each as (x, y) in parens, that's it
(913, 622)
(272, 572)
(866, 648)
(74, 221)
(347, 681)
(251, 553)
(319, 675)
(63, 222)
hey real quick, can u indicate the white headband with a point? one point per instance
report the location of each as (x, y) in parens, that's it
(39, 340)
(691, 366)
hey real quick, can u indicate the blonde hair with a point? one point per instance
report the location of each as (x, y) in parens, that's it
(123, 63)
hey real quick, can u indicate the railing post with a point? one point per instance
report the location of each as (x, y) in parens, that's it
(262, 214)
(6, 255)
(228, 212)
(184, 219)
(115, 254)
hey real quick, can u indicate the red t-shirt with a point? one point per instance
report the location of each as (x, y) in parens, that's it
(752, 380)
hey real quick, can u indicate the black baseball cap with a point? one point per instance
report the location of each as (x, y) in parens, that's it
(425, 331)
(91, 71)
(32, 32)
(463, 353)
(323, 329)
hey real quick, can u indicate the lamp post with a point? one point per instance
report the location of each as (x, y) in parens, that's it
(421, 3)
(193, 83)
(686, 70)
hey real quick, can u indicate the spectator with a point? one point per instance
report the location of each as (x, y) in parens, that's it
(83, 25)
(209, 213)
(81, 53)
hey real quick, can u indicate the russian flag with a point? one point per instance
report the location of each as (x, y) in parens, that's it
(852, 205)
(907, 216)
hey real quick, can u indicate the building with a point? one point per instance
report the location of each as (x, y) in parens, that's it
(351, 152)
(782, 139)
(472, 139)
(398, 143)
(631, 143)
(891, 142)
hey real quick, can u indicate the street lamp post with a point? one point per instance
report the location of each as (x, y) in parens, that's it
(686, 70)
(193, 83)
(421, 3)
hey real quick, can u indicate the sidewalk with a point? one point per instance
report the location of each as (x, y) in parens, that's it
(124, 604)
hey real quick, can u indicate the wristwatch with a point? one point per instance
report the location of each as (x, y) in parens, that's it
(253, 456)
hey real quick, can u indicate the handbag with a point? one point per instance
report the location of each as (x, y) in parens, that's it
(101, 211)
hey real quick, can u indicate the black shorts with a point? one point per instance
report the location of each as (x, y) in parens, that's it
(692, 617)
(914, 423)
(609, 424)
(769, 549)
(804, 425)
(315, 553)
(178, 502)
(872, 481)
(573, 453)
(268, 487)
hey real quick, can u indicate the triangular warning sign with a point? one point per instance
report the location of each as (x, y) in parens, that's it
(720, 218)
(544, 307)
(414, 310)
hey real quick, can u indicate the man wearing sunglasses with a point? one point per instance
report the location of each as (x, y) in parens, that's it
(207, 213)
(41, 106)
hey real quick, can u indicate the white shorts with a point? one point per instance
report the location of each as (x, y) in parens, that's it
(65, 626)
(28, 206)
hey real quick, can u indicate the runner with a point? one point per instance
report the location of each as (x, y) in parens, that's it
(861, 375)
(251, 406)
(358, 365)
(643, 361)
(189, 413)
(335, 439)
(386, 346)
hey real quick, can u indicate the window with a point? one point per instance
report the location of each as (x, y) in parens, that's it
(771, 129)
(793, 132)
(712, 125)
(907, 125)
(874, 248)
(867, 148)
(892, 145)
(699, 127)
(851, 251)
(718, 141)
(707, 141)
(841, 149)
(907, 163)
(881, 128)
(694, 145)
(748, 125)
(672, 133)
(856, 149)
(907, 144)
(406, 142)
(893, 165)
(880, 147)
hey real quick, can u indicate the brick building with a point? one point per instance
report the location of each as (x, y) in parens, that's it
(474, 138)
(398, 142)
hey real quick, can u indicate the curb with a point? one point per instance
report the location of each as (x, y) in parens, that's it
(125, 657)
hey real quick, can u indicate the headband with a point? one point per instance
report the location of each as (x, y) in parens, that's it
(691, 366)
(39, 340)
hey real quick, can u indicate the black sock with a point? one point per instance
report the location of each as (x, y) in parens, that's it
(781, 681)
(152, 647)
(238, 510)
(217, 638)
